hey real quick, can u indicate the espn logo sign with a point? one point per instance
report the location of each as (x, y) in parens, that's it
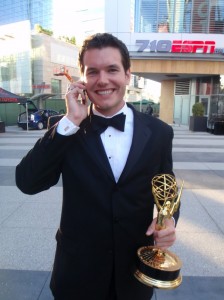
(177, 46)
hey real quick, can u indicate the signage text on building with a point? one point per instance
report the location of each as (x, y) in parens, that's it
(178, 46)
(41, 86)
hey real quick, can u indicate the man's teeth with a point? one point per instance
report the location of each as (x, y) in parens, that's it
(104, 92)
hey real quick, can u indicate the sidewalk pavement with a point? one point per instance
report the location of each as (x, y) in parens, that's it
(29, 223)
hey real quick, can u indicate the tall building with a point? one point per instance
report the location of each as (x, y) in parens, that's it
(36, 11)
(28, 59)
(65, 18)
(179, 44)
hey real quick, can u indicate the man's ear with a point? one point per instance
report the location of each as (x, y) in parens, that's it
(128, 76)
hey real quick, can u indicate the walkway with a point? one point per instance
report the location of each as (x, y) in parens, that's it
(28, 223)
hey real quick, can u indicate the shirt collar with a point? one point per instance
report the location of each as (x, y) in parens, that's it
(123, 110)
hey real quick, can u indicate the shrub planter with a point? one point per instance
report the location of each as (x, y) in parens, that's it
(198, 123)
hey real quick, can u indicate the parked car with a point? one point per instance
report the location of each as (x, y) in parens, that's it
(33, 117)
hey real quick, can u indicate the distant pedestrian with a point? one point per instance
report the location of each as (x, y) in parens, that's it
(149, 110)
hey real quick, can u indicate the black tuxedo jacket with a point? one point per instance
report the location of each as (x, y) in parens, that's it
(103, 223)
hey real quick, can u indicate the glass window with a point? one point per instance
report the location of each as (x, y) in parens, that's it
(217, 106)
(213, 106)
(177, 16)
(162, 17)
(56, 86)
(187, 16)
(197, 92)
(176, 10)
(151, 16)
(200, 13)
(37, 11)
(215, 85)
(218, 85)
(205, 86)
(221, 84)
(204, 101)
(216, 18)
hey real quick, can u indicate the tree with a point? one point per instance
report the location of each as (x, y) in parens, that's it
(40, 29)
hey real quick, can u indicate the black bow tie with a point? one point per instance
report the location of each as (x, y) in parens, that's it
(100, 124)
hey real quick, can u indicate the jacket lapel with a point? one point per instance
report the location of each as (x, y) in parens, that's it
(141, 136)
(95, 147)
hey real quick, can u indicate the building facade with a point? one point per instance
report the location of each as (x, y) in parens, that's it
(178, 43)
(30, 62)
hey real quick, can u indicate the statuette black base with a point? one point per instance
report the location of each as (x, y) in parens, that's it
(158, 268)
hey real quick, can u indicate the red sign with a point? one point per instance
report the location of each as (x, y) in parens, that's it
(178, 46)
(41, 86)
(193, 46)
(10, 100)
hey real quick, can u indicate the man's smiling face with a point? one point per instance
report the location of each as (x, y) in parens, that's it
(105, 79)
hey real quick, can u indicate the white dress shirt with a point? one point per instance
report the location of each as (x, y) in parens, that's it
(116, 143)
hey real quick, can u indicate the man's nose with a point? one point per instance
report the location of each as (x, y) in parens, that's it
(103, 78)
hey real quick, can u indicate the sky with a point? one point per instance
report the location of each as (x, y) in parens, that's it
(78, 18)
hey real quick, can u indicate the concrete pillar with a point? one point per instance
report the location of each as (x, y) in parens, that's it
(167, 101)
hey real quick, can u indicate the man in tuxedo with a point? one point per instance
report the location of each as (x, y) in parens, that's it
(106, 165)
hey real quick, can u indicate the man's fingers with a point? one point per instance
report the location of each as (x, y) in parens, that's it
(165, 238)
(151, 227)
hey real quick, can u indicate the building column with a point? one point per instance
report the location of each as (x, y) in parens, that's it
(167, 101)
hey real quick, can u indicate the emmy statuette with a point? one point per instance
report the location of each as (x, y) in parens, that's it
(160, 268)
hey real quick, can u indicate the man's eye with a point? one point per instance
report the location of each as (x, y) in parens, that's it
(113, 70)
(91, 73)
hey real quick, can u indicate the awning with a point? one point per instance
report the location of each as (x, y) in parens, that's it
(8, 97)
(42, 96)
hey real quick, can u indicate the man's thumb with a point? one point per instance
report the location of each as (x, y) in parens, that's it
(151, 228)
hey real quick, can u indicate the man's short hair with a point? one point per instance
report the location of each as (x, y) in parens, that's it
(103, 40)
